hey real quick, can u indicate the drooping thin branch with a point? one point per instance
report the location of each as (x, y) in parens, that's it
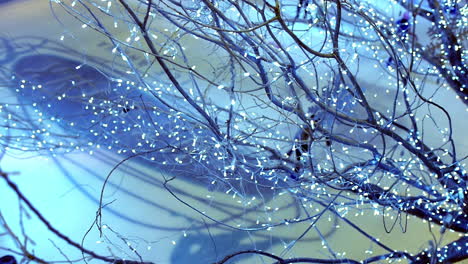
(56, 232)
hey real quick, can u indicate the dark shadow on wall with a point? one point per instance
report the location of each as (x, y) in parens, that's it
(202, 248)
(58, 84)
(8, 259)
(5, 1)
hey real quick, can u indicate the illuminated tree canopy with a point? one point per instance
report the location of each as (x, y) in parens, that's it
(345, 107)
